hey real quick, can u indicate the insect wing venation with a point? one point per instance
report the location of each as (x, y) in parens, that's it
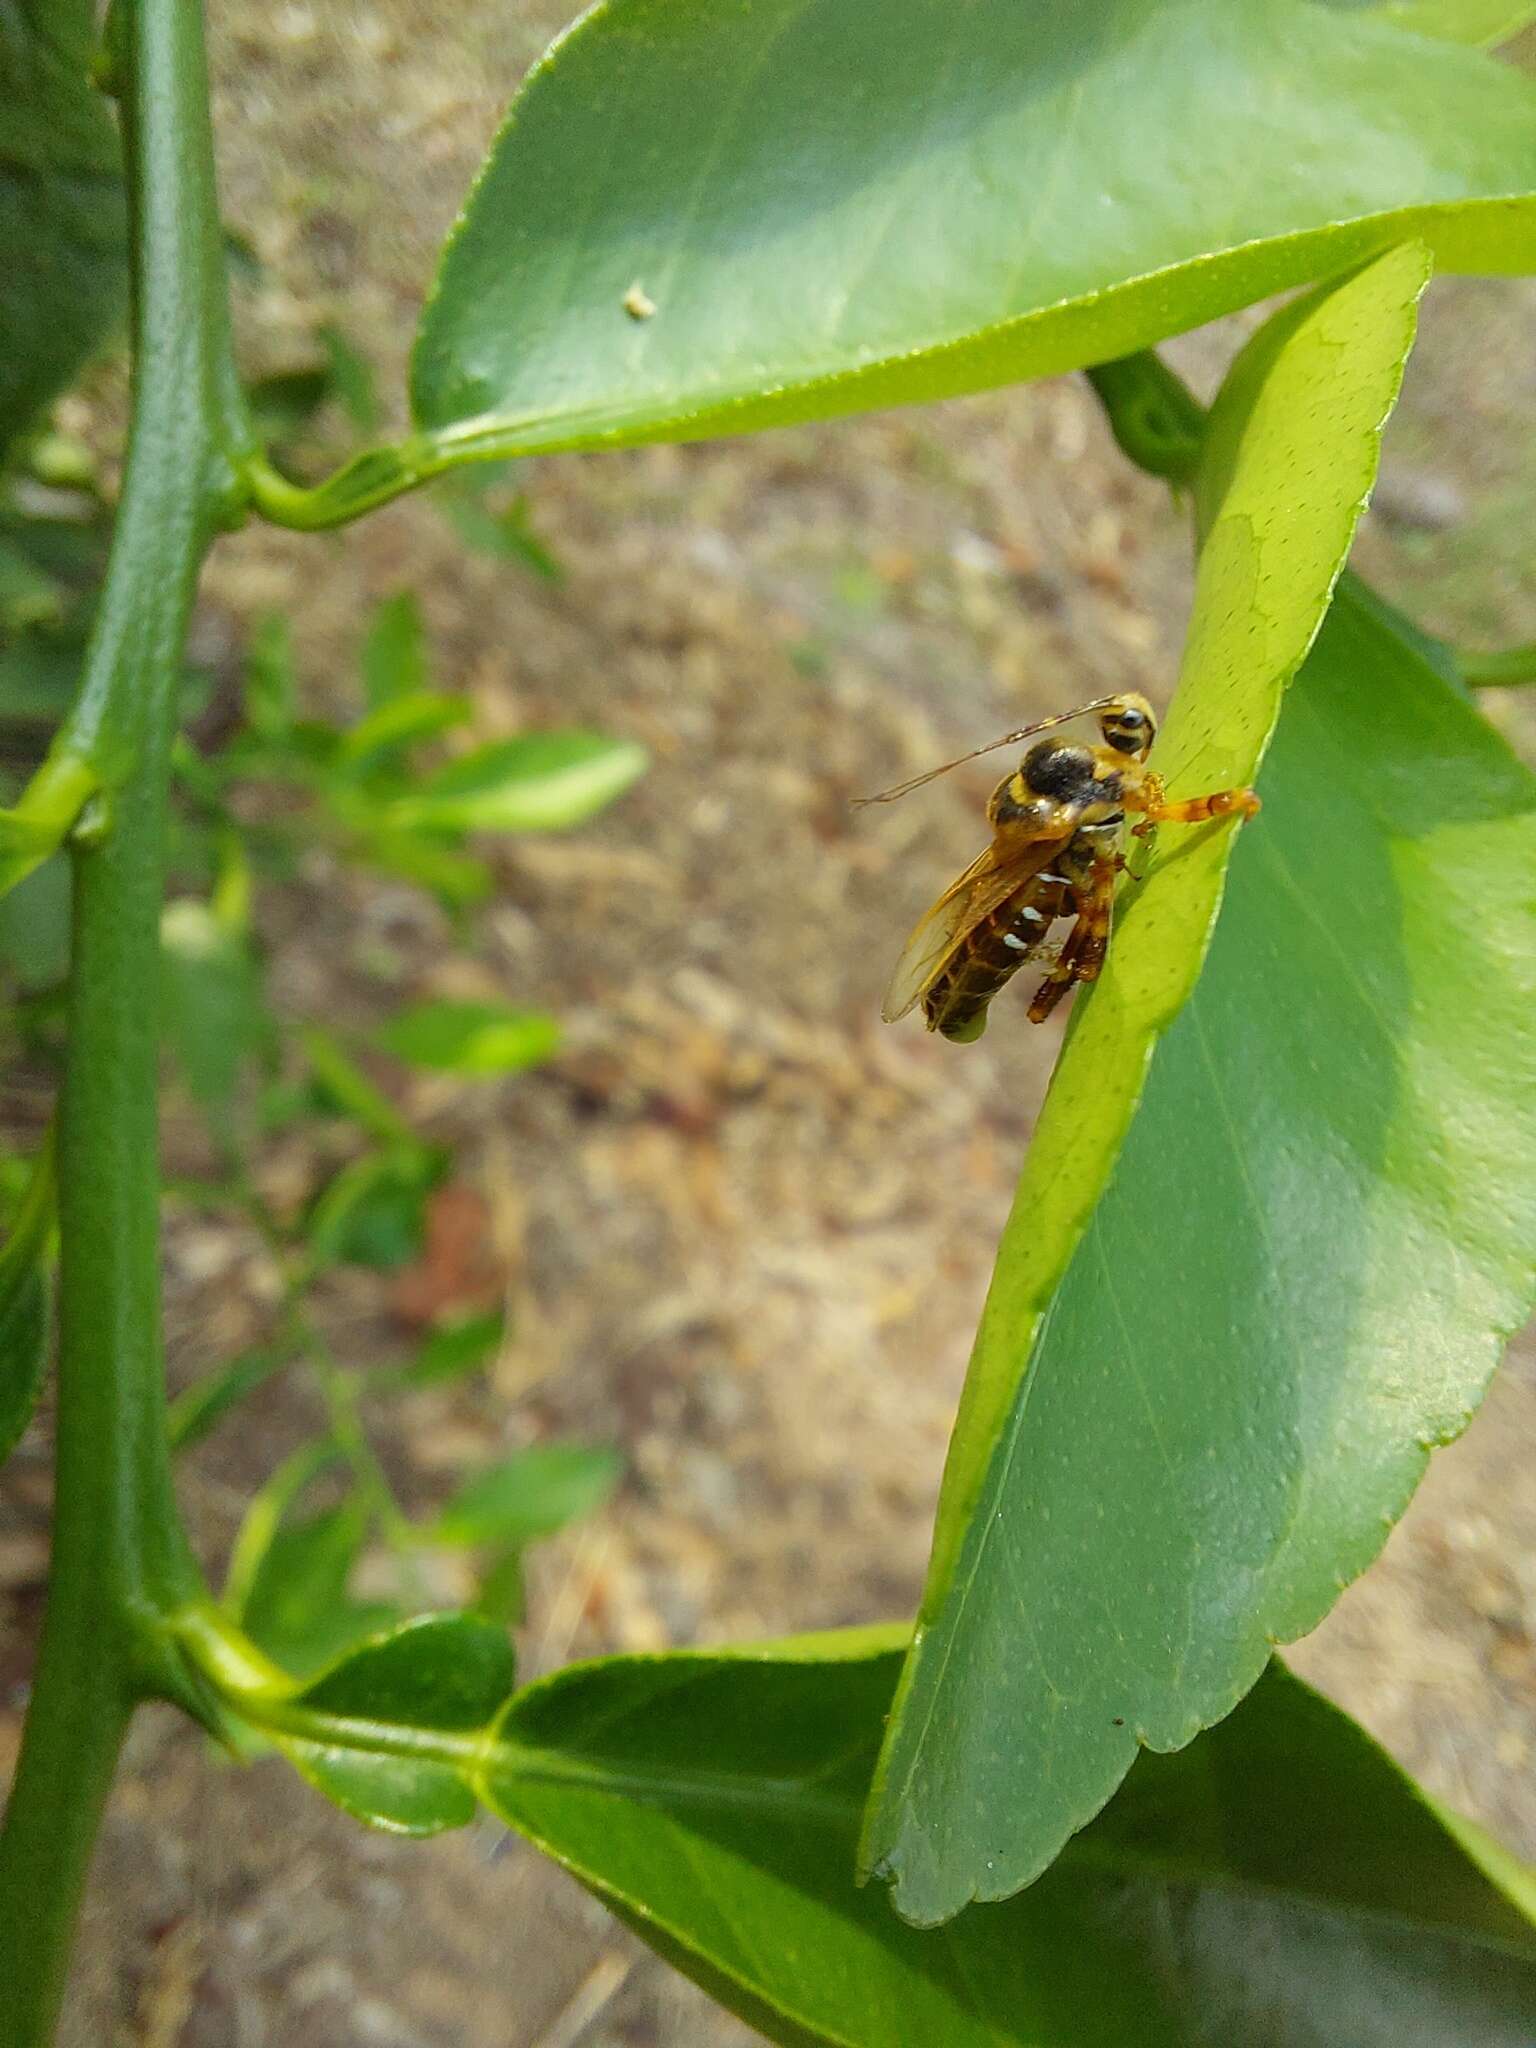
(942, 930)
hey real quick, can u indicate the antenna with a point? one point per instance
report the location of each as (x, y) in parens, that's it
(888, 796)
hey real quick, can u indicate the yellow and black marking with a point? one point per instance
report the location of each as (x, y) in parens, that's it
(1058, 825)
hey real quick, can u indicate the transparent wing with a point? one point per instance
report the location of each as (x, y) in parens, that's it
(942, 931)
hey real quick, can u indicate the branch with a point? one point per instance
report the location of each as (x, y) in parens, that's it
(120, 1557)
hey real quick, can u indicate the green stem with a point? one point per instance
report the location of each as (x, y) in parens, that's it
(120, 1557)
(1513, 665)
(1155, 419)
(367, 481)
(377, 475)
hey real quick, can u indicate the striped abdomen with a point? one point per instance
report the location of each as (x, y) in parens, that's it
(992, 952)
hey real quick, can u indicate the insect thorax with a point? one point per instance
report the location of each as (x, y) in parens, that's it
(1054, 785)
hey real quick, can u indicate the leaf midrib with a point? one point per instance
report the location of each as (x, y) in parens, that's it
(492, 432)
(484, 1758)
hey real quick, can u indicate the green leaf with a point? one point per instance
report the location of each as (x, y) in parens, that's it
(470, 1038)
(353, 1732)
(506, 530)
(298, 1609)
(351, 379)
(537, 783)
(1317, 1237)
(213, 1015)
(29, 595)
(1280, 1883)
(39, 673)
(25, 1288)
(532, 1495)
(285, 402)
(395, 652)
(454, 1349)
(62, 214)
(1481, 670)
(198, 1410)
(24, 1326)
(1290, 456)
(271, 680)
(502, 1594)
(400, 722)
(373, 1213)
(840, 204)
(35, 925)
(288, 1575)
(457, 880)
(1461, 21)
(348, 1087)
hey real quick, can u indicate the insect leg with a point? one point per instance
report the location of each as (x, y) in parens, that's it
(1095, 915)
(1192, 810)
(1083, 954)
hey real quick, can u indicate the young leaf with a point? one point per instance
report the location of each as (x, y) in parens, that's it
(283, 404)
(213, 1014)
(298, 1609)
(400, 722)
(24, 1325)
(470, 1038)
(507, 530)
(456, 879)
(433, 1684)
(1060, 190)
(349, 1088)
(39, 672)
(271, 682)
(1317, 1237)
(1290, 458)
(24, 1304)
(395, 652)
(198, 1410)
(373, 1213)
(287, 1580)
(62, 217)
(29, 595)
(351, 379)
(454, 1349)
(501, 1595)
(538, 783)
(34, 925)
(1281, 1882)
(534, 1494)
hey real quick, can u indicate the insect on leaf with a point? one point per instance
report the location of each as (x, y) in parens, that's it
(1233, 1394)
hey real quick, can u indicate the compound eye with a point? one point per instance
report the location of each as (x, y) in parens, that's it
(1128, 730)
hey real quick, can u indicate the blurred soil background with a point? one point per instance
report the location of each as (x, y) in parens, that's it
(743, 1230)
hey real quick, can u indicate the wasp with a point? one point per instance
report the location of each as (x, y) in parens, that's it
(1058, 832)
